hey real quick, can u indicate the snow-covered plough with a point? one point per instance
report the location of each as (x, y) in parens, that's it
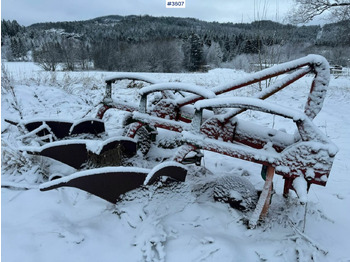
(201, 120)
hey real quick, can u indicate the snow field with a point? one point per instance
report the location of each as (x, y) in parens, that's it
(176, 222)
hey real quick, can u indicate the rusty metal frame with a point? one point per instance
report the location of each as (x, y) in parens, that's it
(195, 135)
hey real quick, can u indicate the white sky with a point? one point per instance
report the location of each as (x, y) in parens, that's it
(27, 12)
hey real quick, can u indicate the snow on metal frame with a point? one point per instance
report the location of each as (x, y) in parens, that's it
(131, 76)
(154, 120)
(198, 90)
(52, 144)
(319, 87)
(309, 131)
(92, 119)
(272, 89)
(250, 103)
(77, 122)
(92, 172)
(159, 167)
(316, 63)
(56, 119)
(245, 153)
(311, 63)
(46, 119)
(94, 146)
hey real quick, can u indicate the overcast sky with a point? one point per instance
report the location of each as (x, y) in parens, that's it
(27, 12)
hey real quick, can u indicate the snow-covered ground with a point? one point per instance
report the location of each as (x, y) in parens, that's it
(179, 222)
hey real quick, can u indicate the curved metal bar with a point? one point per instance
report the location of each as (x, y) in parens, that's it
(311, 63)
(250, 103)
(198, 90)
(125, 76)
(131, 76)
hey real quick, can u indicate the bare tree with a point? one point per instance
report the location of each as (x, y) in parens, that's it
(305, 10)
(48, 56)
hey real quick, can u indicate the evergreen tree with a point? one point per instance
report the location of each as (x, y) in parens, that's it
(196, 60)
(18, 48)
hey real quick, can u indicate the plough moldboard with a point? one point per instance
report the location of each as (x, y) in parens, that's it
(197, 115)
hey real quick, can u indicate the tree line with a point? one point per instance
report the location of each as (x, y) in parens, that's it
(168, 44)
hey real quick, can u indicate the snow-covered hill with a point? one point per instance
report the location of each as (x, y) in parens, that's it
(178, 222)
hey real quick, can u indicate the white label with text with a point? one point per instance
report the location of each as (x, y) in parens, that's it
(175, 4)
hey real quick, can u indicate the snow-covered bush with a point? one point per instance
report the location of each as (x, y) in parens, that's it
(237, 191)
(241, 62)
(20, 167)
(6, 80)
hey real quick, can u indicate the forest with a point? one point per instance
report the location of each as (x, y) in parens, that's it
(169, 44)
